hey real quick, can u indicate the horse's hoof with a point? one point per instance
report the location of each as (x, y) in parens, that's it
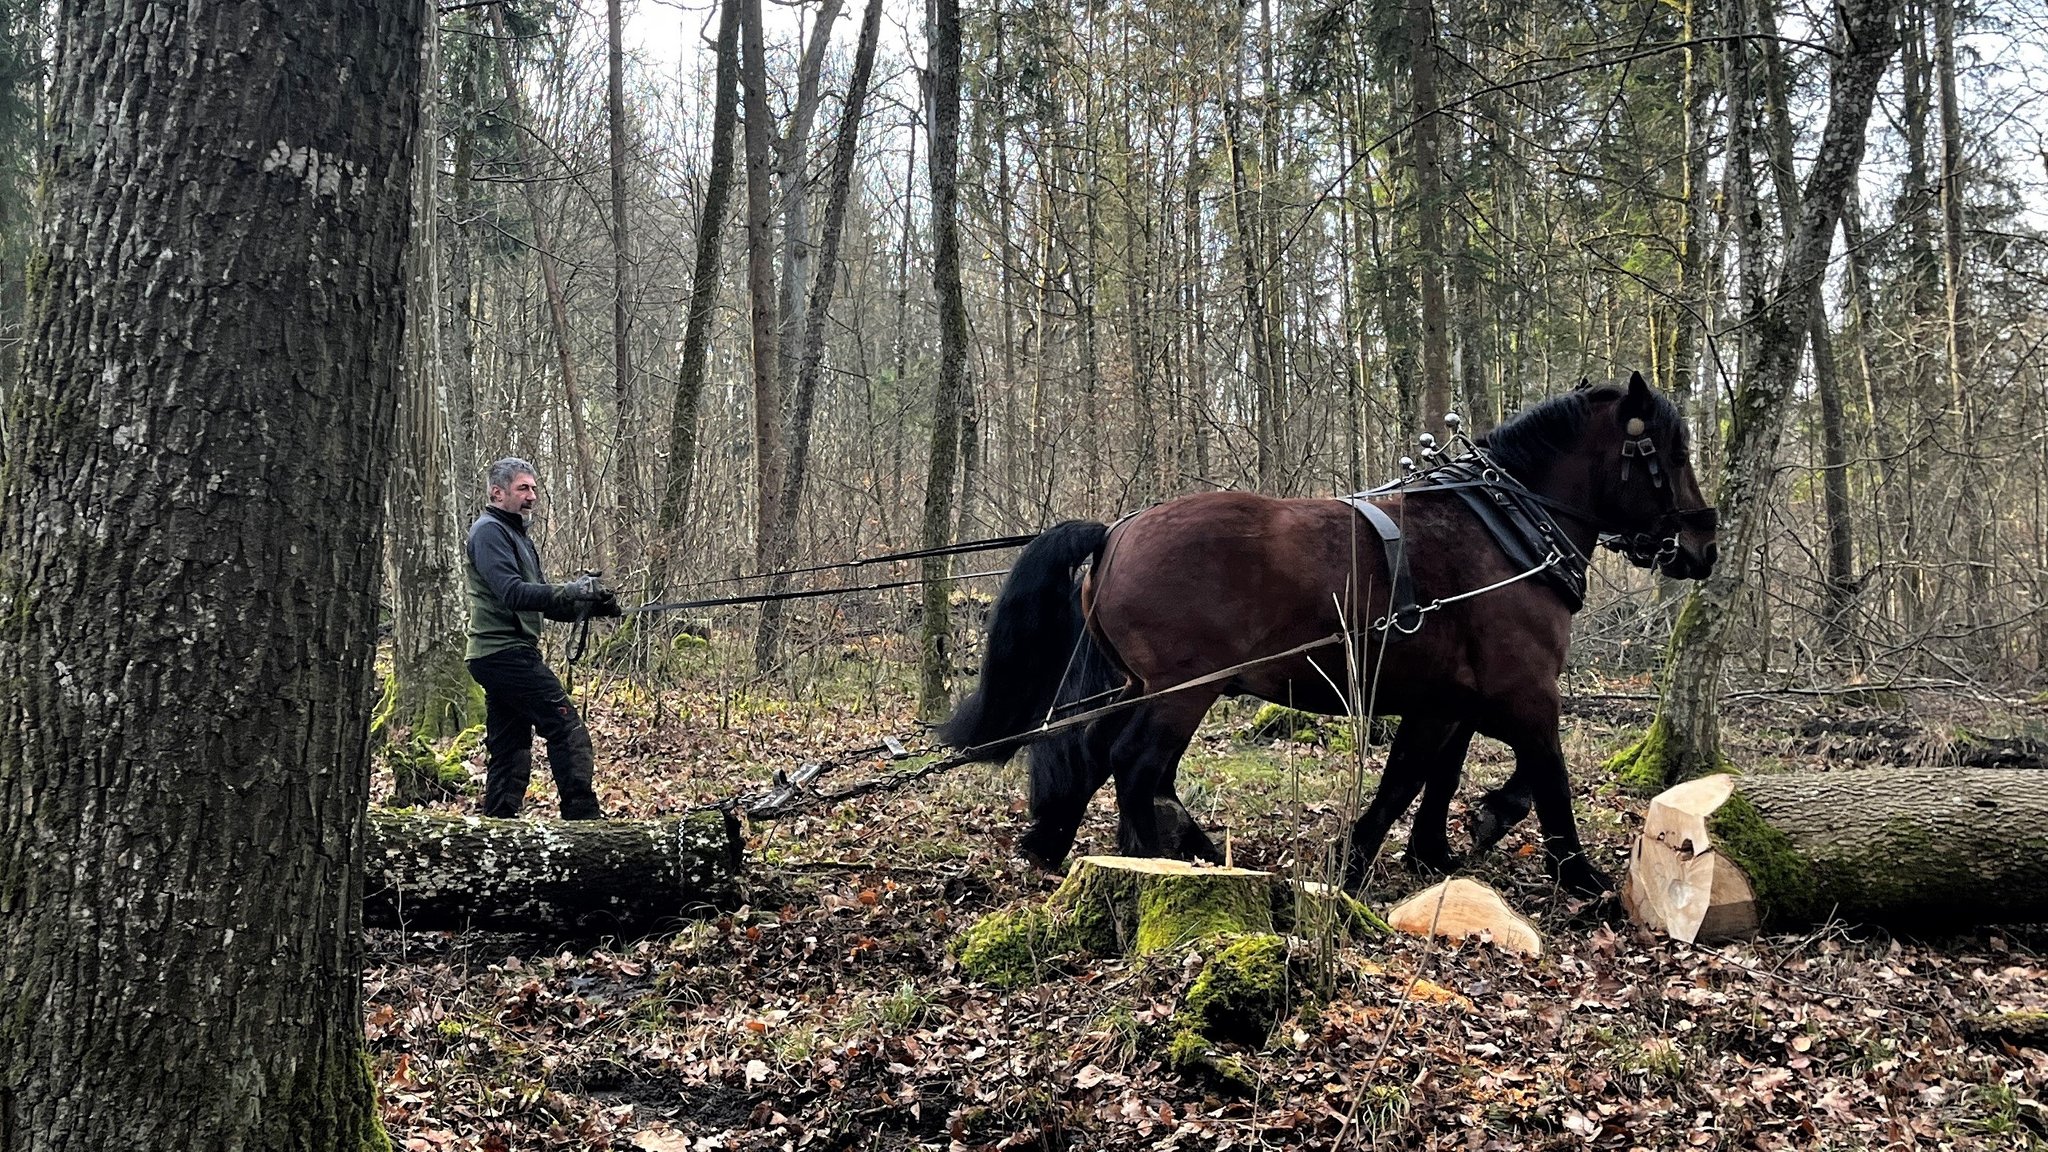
(1440, 862)
(1044, 849)
(1582, 879)
(1487, 829)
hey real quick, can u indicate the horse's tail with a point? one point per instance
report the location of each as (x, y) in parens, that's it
(1036, 638)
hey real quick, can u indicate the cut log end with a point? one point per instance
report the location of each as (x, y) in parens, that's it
(1677, 883)
(1459, 908)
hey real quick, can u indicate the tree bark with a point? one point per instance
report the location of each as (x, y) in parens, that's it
(625, 430)
(204, 432)
(1913, 849)
(933, 698)
(430, 693)
(676, 491)
(1429, 212)
(551, 280)
(768, 637)
(437, 872)
(1684, 739)
(761, 278)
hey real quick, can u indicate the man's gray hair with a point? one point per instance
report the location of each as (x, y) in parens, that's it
(503, 472)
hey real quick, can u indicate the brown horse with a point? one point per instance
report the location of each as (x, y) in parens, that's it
(1209, 582)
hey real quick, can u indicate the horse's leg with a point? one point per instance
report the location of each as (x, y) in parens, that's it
(1408, 762)
(1539, 759)
(1429, 840)
(1179, 833)
(1067, 770)
(1499, 810)
(1147, 750)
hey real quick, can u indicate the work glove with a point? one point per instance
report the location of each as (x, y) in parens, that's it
(584, 587)
(586, 596)
(607, 605)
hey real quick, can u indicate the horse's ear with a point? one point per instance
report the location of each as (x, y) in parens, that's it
(1638, 389)
(1584, 384)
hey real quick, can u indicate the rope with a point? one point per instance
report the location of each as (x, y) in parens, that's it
(802, 594)
(959, 549)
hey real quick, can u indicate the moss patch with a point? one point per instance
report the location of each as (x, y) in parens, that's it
(1781, 876)
(1240, 992)
(1007, 948)
(1173, 914)
(1650, 764)
(420, 772)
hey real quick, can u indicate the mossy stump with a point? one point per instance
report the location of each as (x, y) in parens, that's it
(1123, 906)
(1233, 917)
(1912, 849)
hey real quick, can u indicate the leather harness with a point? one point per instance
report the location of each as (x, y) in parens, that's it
(1513, 517)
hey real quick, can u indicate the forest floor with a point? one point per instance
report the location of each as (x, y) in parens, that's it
(829, 1013)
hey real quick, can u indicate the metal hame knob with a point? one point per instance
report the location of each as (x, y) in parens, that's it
(1453, 421)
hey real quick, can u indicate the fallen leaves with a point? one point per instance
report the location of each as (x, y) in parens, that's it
(826, 1015)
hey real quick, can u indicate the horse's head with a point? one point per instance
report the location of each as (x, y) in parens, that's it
(1643, 489)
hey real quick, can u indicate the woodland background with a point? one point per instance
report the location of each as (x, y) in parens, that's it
(1202, 246)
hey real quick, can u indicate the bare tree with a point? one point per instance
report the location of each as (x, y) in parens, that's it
(768, 636)
(944, 102)
(1684, 739)
(682, 437)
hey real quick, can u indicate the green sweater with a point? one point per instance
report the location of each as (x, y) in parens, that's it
(507, 594)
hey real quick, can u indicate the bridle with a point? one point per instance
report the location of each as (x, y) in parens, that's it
(1658, 547)
(1645, 549)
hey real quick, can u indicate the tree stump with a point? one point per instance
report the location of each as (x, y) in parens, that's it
(1234, 917)
(433, 870)
(1459, 908)
(1912, 849)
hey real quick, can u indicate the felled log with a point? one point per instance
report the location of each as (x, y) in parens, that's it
(1459, 908)
(1912, 849)
(433, 870)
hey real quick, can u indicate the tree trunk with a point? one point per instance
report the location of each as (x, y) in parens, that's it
(1838, 581)
(768, 637)
(1684, 739)
(761, 278)
(1689, 319)
(1913, 849)
(430, 693)
(460, 361)
(189, 567)
(792, 159)
(551, 279)
(625, 426)
(1266, 424)
(1960, 344)
(933, 698)
(437, 872)
(1429, 212)
(791, 154)
(676, 492)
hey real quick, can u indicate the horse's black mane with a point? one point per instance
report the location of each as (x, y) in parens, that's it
(1525, 445)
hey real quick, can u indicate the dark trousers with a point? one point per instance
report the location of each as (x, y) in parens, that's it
(521, 697)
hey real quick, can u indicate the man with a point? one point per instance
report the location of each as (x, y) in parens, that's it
(507, 598)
